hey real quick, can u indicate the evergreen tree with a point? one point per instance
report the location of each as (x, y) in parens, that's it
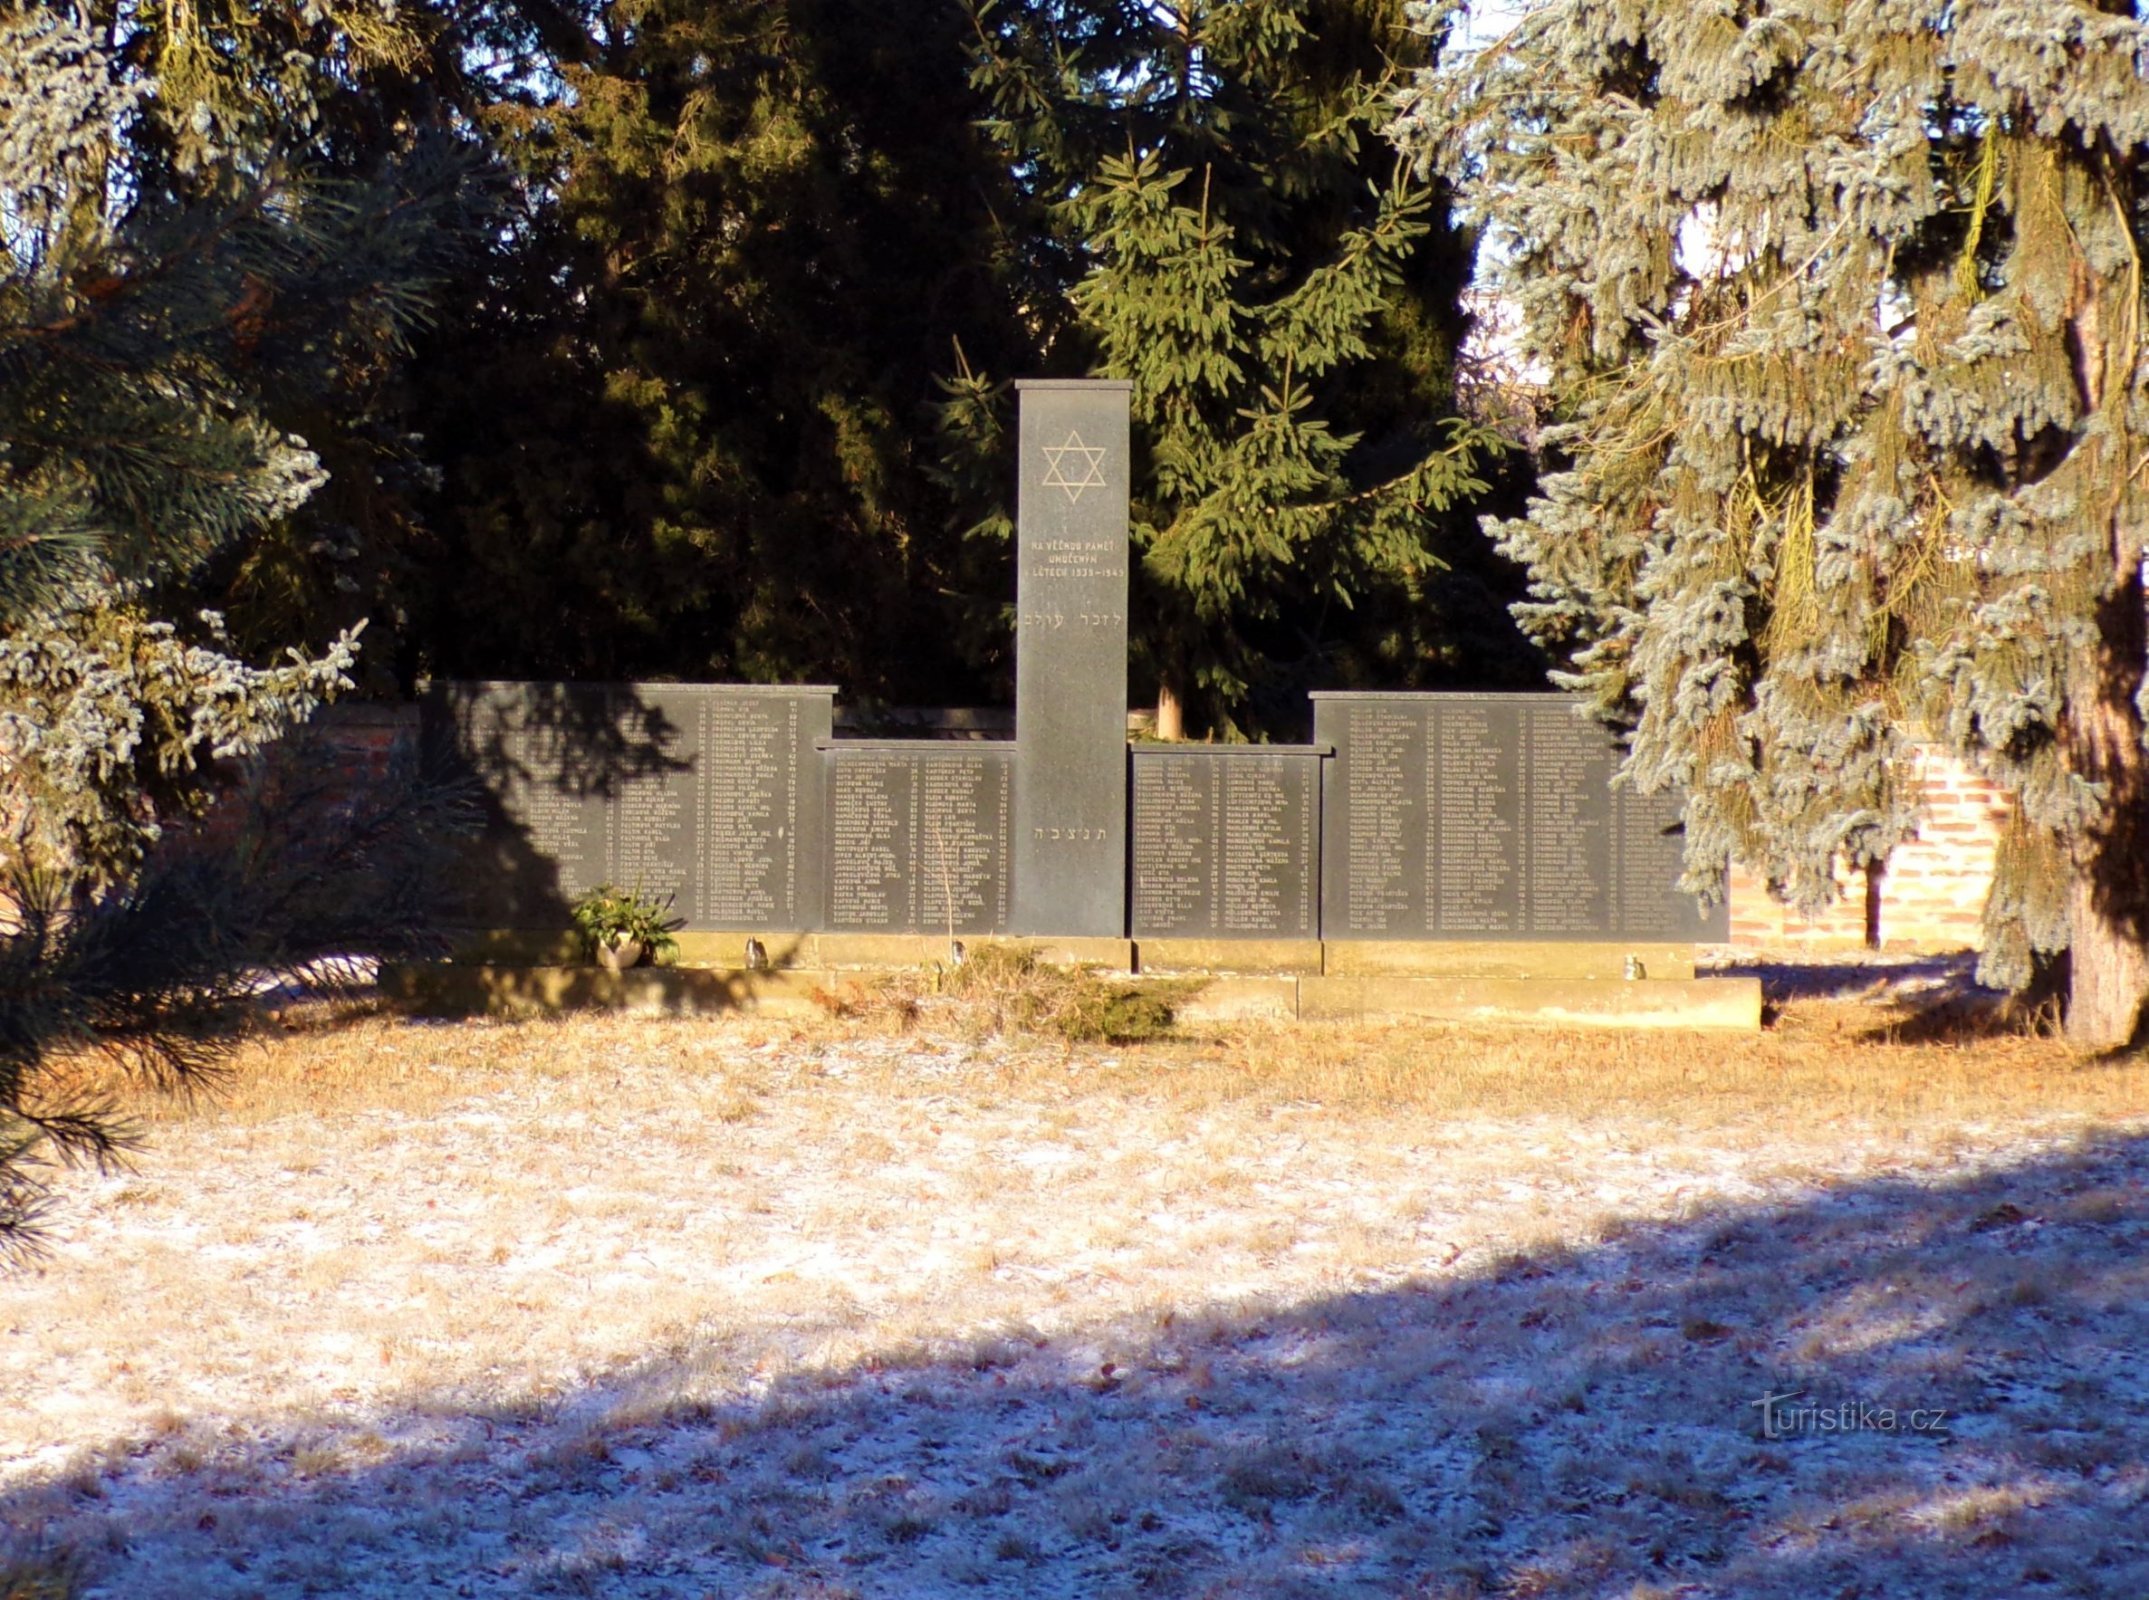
(1843, 307)
(132, 452)
(348, 93)
(136, 447)
(1231, 234)
(681, 424)
(85, 440)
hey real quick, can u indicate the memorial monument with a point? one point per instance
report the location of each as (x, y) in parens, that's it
(1478, 819)
(1070, 861)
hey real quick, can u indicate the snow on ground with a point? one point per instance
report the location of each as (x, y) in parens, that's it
(690, 1310)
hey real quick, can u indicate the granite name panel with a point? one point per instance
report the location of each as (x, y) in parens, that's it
(1070, 817)
(1226, 842)
(918, 836)
(1492, 816)
(708, 793)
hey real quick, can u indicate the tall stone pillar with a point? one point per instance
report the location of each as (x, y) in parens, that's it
(1071, 660)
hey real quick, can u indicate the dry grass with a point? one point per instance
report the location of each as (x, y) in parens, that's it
(1820, 1062)
(388, 1193)
(381, 1234)
(39, 1576)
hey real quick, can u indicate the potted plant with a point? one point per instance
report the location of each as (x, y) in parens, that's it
(622, 928)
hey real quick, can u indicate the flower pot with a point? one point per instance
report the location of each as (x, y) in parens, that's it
(618, 954)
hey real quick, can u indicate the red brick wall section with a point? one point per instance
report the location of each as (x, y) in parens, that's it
(1931, 897)
(357, 741)
(1760, 922)
(367, 737)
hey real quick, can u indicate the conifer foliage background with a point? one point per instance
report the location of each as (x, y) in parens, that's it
(1229, 231)
(686, 419)
(1842, 304)
(152, 299)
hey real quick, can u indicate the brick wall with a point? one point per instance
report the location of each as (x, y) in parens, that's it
(1759, 921)
(353, 741)
(1931, 897)
(367, 738)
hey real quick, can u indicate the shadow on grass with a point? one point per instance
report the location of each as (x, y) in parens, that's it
(1566, 1423)
(1968, 1017)
(1787, 980)
(1936, 999)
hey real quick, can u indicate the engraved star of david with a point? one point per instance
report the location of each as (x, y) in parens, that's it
(1089, 476)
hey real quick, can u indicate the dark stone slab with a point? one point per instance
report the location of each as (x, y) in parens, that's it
(1492, 816)
(763, 854)
(1226, 842)
(1070, 816)
(918, 836)
(709, 793)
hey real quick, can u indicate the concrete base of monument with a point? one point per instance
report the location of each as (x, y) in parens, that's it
(1502, 958)
(485, 989)
(1728, 1004)
(1226, 957)
(871, 950)
(520, 947)
(537, 947)
(1535, 961)
(855, 951)
(430, 989)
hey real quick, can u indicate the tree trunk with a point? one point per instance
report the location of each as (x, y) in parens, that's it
(2107, 973)
(1171, 717)
(2108, 909)
(2108, 901)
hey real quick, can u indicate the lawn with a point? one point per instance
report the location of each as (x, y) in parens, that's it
(878, 1306)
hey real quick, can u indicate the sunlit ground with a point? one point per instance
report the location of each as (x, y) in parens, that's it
(618, 1307)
